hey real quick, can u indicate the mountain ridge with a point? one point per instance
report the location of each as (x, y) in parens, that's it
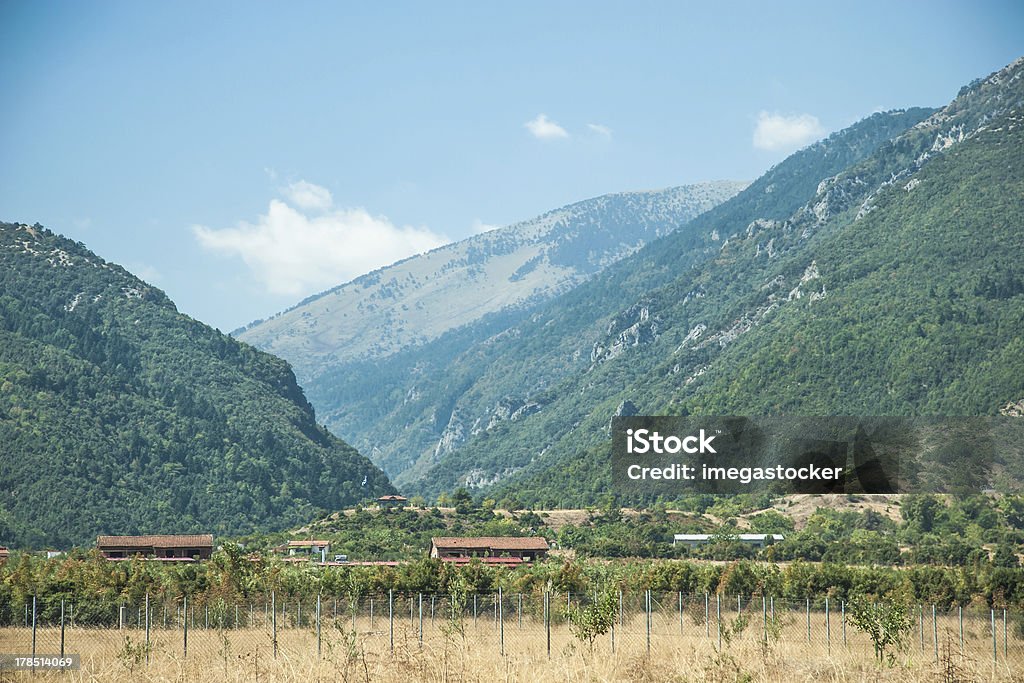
(408, 303)
(765, 272)
(430, 399)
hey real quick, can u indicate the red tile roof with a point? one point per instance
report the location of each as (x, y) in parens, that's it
(392, 498)
(491, 542)
(165, 541)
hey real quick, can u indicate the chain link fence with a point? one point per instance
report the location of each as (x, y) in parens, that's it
(415, 628)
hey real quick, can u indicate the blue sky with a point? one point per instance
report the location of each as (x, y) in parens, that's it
(243, 155)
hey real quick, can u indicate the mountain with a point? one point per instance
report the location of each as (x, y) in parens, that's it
(423, 404)
(420, 298)
(120, 415)
(888, 284)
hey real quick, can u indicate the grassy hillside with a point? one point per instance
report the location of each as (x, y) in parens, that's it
(120, 415)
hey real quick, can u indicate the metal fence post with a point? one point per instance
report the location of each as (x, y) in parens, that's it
(34, 631)
(391, 618)
(611, 632)
(935, 634)
(421, 619)
(147, 628)
(273, 611)
(184, 622)
(828, 629)
(680, 612)
(960, 618)
(371, 614)
(718, 617)
(501, 623)
(547, 619)
(843, 607)
(474, 609)
(1004, 634)
(62, 628)
(648, 594)
(519, 611)
(764, 619)
(620, 608)
(994, 651)
(808, 620)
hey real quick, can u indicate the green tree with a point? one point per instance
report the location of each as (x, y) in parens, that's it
(595, 619)
(886, 622)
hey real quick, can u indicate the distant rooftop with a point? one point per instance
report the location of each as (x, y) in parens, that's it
(307, 544)
(157, 541)
(491, 542)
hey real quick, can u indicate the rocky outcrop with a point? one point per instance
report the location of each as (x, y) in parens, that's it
(632, 328)
(512, 410)
(453, 435)
(1013, 409)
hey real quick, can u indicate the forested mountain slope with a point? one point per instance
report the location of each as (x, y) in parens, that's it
(418, 406)
(119, 415)
(894, 289)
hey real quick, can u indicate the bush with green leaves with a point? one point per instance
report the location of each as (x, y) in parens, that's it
(587, 622)
(886, 622)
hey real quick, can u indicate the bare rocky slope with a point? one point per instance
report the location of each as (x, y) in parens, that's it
(418, 299)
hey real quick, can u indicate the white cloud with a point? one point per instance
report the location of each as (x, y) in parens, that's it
(480, 227)
(600, 129)
(775, 132)
(145, 272)
(544, 128)
(293, 253)
(308, 196)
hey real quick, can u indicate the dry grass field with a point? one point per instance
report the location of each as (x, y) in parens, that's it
(687, 652)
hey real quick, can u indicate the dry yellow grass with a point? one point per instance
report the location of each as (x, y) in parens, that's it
(687, 654)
